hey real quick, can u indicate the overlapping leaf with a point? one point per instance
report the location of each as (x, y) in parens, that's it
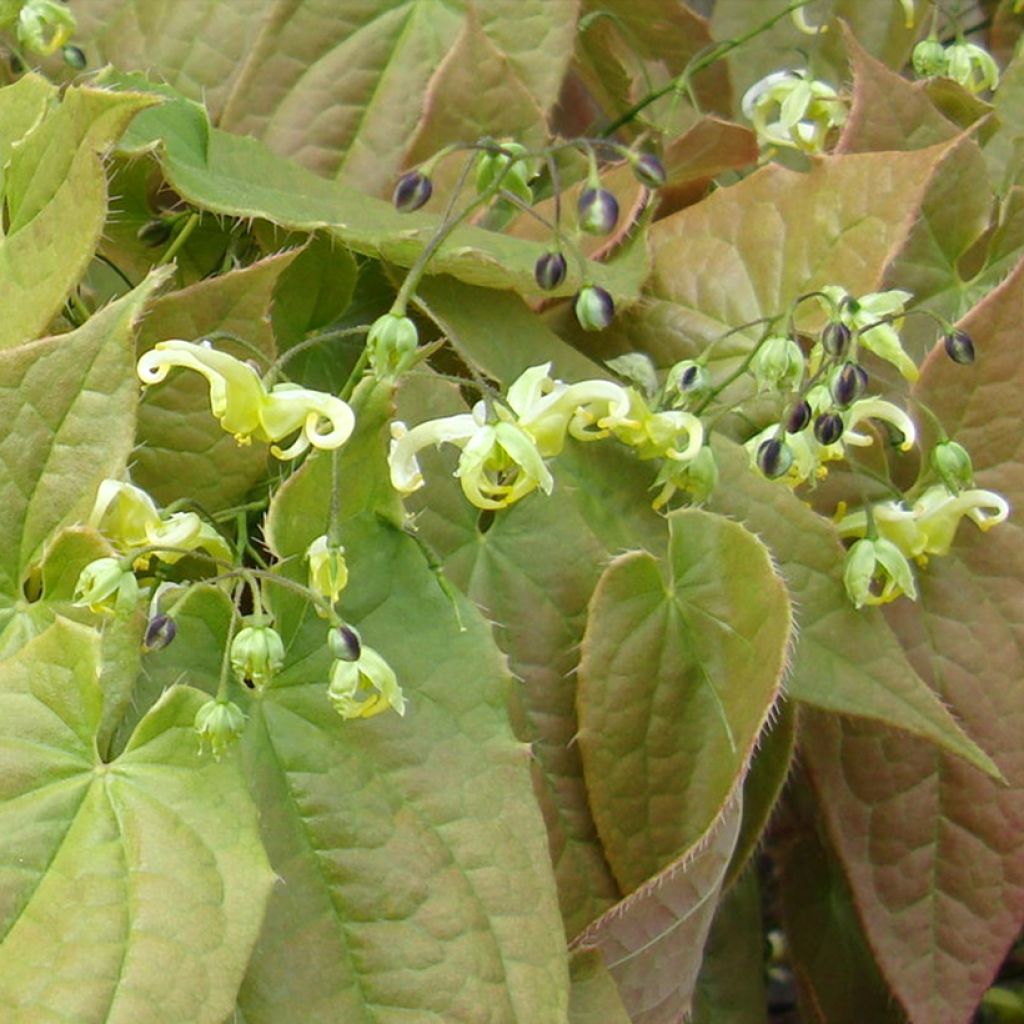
(916, 830)
(132, 890)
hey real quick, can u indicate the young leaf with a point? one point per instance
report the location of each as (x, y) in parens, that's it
(681, 664)
(594, 999)
(131, 890)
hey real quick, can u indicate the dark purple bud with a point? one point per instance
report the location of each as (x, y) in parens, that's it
(798, 417)
(848, 384)
(835, 339)
(649, 170)
(828, 428)
(412, 191)
(154, 232)
(160, 631)
(594, 308)
(774, 457)
(959, 347)
(74, 57)
(598, 210)
(549, 270)
(344, 643)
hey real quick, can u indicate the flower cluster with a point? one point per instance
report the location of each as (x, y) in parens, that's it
(967, 64)
(790, 109)
(243, 405)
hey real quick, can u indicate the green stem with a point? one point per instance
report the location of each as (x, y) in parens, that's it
(225, 662)
(179, 240)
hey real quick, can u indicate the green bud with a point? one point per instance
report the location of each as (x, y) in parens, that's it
(594, 308)
(649, 170)
(959, 347)
(774, 458)
(701, 476)
(929, 58)
(689, 378)
(412, 191)
(105, 585)
(597, 211)
(257, 652)
(218, 724)
(391, 342)
(160, 631)
(74, 57)
(953, 464)
(493, 163)
(549, 270)
(778, 365)
(344, 643)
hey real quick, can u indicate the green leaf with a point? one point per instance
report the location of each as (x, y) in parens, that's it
(179, 443)
(57, 198)
(22, 105)
(681, 664)
(730, 986)
(944, 824)
(594, 997)
(68, 405)
(132, 890)
(1003, 150)
(653, 941)
(239, 176)
(846, 661)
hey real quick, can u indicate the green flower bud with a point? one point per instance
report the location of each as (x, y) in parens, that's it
(74, 57)
(105, 585)
(344, 643)
(594, 308)
(688, 377)
(774, 458)
(549, 271)
(649, 170)
(391, 342)
(328, 571)
(701, 475)
(597, 211)
(493, 163)
(412, 191)
(929, 58)
(953, 464)
(218, 724)
(257, 652)
(959, 347)
(160, 631)
(778, 365)
(877, 572)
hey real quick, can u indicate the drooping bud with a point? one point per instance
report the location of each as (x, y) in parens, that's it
(257, 652)
(549, 270)
(835, 339)
(155, 232)
(344, 643)
(160, 631)
(74, 57)
(778, 365)
(597, 210)
(594, 307)
(649, 170)
(391, 342)
(849, 382)
(689, 377)
(774, 457)
(328, 571)
(798, 416)
(953, 464)
(959, 347)
(218, 724)
(828, 428)
(929, 58)
(412, 191)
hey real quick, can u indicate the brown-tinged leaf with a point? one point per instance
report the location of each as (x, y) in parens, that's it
(593, 999)
(653, 940)
(681, 664)
(934, 850)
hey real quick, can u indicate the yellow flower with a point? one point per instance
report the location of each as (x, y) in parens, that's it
(789, 109)
(862, 317)
(366, 687)
(328, 571)
(877, 572)
(671, 434)
(104, 585)
(243, 406)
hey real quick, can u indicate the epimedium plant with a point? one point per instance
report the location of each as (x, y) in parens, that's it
(446, 541)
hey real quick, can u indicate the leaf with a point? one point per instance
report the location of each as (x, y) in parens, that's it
(681, 664)
(179, 442)
(935, 868)
(56, 198)
(1002, 151)
(132, 890)
(594, 997)
(433, 809)
(22, 105)
(847, 661)
(653, 941)
(730, 986)
(68, 405)
(239, 176)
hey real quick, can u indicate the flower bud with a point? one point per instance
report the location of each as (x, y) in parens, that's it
(835, 339)
(218, 724)
(798, 416)
(509, 164)
(328, 571)
(778, 365)
(74, 57)
(391, 342)
(549, 271)
(597, 210)
(929, 58)
(959, 347)
(412, 191)
(344, 643)
(953, 464)
(594, 308)
(257, 652)
(701, 477)
(649, 170)
(849, 382)
(689, 377)
(828, 428)
(154, 232)
(160, 631)
(774, 458)
(105, 585)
